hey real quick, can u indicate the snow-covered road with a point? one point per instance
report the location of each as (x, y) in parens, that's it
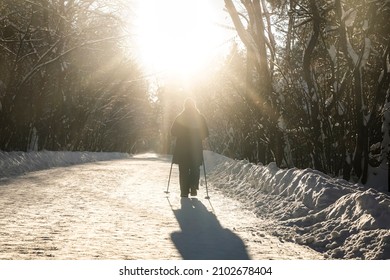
(118, 210)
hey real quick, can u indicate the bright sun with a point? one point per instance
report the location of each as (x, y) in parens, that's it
(179, 37)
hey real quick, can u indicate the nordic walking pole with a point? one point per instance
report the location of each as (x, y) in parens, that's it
(170, 172)
(169, 179)
(205, 180)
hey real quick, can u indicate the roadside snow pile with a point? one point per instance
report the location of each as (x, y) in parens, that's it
(17, 163)
(332, 216)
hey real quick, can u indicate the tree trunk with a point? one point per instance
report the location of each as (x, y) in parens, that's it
(313, 95)
(262, 95)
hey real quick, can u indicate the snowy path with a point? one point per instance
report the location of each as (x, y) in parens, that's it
(118, 210)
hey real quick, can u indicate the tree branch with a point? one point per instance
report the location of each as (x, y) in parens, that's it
(29, 75)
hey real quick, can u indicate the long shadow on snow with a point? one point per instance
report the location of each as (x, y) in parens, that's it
(202, 236)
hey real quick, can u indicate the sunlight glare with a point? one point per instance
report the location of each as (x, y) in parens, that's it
(178, 37)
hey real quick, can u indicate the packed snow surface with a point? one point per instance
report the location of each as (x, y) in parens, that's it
(332, 216)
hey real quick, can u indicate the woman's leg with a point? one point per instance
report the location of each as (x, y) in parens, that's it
(194, 179)
(184, 179)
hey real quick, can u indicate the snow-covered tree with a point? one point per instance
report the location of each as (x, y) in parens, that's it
(67, 79)
(328, 74)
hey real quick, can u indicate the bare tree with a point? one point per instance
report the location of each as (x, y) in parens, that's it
(67, 78)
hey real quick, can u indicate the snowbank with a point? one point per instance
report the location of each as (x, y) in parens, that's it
(16, 163)
(333, 216)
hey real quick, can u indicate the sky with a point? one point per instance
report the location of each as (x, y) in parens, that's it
(181, 38)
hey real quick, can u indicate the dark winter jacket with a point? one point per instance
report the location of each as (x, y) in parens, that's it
(190, 129)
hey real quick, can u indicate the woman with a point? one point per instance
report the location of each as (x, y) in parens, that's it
(190, 129)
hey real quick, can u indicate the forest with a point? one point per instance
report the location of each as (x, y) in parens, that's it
(305, 83)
